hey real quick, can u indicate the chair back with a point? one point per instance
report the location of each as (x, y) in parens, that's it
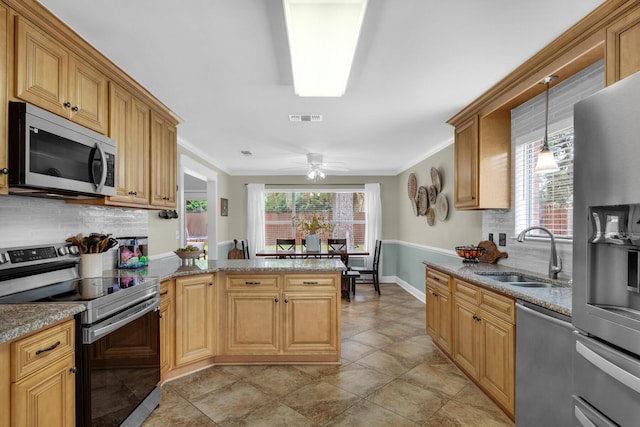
(245, 248)
(285, 244)
(376, 254)
(337, 245)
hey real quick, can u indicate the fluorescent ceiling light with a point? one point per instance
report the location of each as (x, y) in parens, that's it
(323, 35)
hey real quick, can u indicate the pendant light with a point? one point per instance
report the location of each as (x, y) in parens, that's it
(546, 162)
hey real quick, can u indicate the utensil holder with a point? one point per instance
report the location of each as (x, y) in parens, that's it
(90, 265)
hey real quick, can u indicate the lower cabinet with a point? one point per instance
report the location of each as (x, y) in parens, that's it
(286, 317)
(167, 327)
(475, 327)
(195, 324)
(43, 377)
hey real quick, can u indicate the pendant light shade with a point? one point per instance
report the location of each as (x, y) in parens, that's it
(546, 162)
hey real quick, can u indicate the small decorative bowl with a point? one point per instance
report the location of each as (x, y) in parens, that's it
(188, 254)
(469, 253)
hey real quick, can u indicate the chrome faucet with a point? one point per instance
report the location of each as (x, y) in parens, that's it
(555, 262)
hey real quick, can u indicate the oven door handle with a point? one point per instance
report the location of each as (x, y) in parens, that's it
(94, 333)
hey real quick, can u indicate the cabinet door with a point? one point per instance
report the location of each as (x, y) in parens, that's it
(432, 314)
(41, 69)
(466, 163)
(167, 323)
(622, 47)
(444, 321)
(88, 95)
(310, 322)
(253, 323)
(497, 359)
(195, 321)
(4, 61)
(129, 127)
(465, 340)
(46, 398)
(163, 163)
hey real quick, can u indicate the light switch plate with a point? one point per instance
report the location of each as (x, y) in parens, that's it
(502, 239)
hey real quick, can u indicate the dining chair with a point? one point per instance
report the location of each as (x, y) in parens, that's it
(285, 244)
(337, 245)
(373, 271)
(245, 248)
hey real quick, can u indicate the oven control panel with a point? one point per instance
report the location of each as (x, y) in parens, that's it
(28, 256)
(34, 254)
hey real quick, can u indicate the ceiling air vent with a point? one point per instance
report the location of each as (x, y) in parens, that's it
(305, 118)
(246, 152)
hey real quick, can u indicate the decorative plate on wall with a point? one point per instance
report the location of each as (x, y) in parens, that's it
(412, 186)
(423, 202)
(414, 205)
(436, 179)
(442, 207)
(433, 193)
(431, 216)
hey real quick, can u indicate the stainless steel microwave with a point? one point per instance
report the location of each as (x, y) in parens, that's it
(50, 156)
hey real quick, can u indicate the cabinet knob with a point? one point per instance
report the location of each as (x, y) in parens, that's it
(210, 283)
(4, 171)
(67, 104)
(276, 300)
(73, 370)
(286, 301)
(75, 109)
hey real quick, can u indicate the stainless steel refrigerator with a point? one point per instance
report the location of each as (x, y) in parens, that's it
(606, 257)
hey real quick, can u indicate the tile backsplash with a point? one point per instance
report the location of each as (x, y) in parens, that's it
(33, 221)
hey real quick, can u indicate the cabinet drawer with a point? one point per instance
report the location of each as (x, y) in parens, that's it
(467, 291)
(41, 349)
(307, 282)
(166, 290)
(439, 280)
(498, 305)
(253, 282)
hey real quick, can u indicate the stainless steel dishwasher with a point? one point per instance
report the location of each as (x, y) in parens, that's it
(544, 367)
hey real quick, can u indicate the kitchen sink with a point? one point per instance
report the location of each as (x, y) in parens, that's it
(517, 280)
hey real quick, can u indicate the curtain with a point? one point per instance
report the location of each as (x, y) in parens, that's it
(255, 217)
(373, 211)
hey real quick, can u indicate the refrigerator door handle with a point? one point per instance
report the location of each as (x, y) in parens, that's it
(609, 368)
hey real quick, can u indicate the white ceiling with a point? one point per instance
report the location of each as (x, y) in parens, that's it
(223, 67)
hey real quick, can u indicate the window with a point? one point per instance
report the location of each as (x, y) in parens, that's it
(344, 209)
(547, 200)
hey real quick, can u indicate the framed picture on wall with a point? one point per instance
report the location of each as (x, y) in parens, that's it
(224, 207)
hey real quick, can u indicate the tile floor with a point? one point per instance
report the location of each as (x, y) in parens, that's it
(391, 375)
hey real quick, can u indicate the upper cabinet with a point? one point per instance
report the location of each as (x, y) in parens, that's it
(4, 61)
(49, 76)
(623, 47)
(482, 162)
(164, 147)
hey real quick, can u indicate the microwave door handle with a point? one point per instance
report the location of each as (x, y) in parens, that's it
(103, 178)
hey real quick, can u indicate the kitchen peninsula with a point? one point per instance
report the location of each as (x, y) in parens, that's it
(249, 311)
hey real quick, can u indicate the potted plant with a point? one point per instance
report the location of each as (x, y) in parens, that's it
(311, 227)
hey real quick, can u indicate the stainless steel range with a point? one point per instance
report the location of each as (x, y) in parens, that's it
(118, 350)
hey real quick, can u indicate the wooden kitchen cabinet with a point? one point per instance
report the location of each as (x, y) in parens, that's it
(4, 64)
(484, 340)
(482, 161)
(164, 152)
(167, 327)
(623, 47)
(195, 323)
(439, 308)
(43, 377)
(289, 317)
(51, 77)
(129, 126)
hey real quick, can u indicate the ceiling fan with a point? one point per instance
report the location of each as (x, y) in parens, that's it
(316, 167)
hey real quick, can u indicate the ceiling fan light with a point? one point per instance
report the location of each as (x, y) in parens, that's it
(323, 35)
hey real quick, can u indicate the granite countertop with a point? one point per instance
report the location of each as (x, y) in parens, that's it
(20, 319)
(167, 268)
(556, 298)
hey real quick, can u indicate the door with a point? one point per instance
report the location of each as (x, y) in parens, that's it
(465, 342)
(310, 322)
(195, 318)
(88, 95)
(497, 359)
(466, 163)
(253, 322)
(432, 314)
(444, 321)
